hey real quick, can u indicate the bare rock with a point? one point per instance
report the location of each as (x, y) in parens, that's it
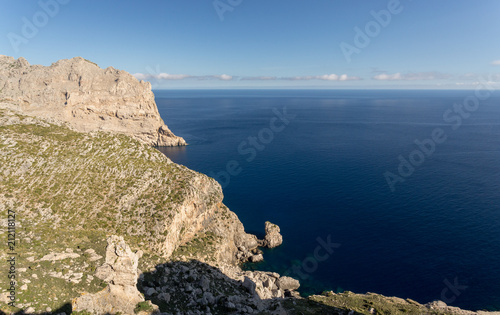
(120, 271)
(288, 283)
(273, 237)
(59, 256)
(256, 258)
(112, 299)
(89, 98)
(121, 263)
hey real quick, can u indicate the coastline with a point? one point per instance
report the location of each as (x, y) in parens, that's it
(80, 187)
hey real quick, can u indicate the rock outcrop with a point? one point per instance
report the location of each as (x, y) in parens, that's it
(76, 186)
(70, 190)
(121, 274)
(203, 289)
(89, 98)
(273, 237)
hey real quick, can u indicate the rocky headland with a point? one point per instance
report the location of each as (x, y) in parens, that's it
(106, 224)
(89, 98)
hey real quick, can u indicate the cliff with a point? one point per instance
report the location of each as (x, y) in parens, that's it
(89, 98)
(69, 190)
(103, 222)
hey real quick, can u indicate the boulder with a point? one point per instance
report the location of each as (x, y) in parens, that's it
(273, 237)
(120, 272)
(288, 283)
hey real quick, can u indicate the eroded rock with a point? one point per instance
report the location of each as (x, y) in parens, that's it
(120, 272)
(273, 237)
(89, 98)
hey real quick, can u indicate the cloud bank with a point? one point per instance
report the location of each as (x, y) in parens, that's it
(226, 77)
(167, 76)
(325, 77)
(411, 76)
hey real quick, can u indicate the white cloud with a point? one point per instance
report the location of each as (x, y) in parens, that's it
(224, 77)
(411, 76)
(496, 62)
(388, 77)
(167, 76)
(325, 77)
(260, 78)
(161, 76)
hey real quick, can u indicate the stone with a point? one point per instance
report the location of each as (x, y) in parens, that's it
(288, 283)
(120, 271)
(79, 92)
(257, 258)
(4, 297)
(273, 237)
(165, 297)
(437, 304)
(204, 283)
(59, 256)
(249, 285)
(150, 291)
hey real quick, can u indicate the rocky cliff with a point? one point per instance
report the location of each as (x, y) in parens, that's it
(89, 98)
(96, 216)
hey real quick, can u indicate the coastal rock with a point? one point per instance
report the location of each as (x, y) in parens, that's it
(224, 289)
(273, 237)
(256, 258)
(120, 272)
(288, 283)
(89, 98)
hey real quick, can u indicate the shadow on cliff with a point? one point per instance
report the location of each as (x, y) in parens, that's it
(65, 309)
(196, 286)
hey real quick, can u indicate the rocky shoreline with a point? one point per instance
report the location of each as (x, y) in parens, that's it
(108, 225)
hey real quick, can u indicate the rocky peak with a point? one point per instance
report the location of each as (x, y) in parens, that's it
(121, 274)
(79, 92)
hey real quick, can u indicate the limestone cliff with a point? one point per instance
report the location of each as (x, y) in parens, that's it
(69, 189)
(89, 98)
(63, 192)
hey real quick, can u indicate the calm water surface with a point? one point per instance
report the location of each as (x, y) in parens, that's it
(322, 176)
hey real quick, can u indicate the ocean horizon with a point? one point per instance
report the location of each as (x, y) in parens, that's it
(387, 191)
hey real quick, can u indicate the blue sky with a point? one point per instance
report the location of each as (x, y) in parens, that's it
(266, 44)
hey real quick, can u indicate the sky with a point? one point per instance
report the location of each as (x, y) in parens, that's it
(332, 44)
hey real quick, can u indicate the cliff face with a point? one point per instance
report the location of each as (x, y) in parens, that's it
(89, 98)
(69, 190)
(113, 183)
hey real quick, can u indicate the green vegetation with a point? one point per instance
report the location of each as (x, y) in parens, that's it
(143, 306)
(202, 248)
(70, 191)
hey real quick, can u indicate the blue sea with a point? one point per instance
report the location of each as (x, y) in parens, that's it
(321, 163)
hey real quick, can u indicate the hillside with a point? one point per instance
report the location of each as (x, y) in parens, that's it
(96, 218)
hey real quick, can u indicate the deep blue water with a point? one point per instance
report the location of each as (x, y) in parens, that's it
(322, 175)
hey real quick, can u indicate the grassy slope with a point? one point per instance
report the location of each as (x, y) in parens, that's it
(69, 191)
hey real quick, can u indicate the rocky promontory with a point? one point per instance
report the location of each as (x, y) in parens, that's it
(104, 223)
(89, 98)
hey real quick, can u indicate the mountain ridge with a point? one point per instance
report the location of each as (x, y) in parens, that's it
(89, 98)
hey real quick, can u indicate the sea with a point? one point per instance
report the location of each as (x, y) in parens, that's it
(389, 191)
